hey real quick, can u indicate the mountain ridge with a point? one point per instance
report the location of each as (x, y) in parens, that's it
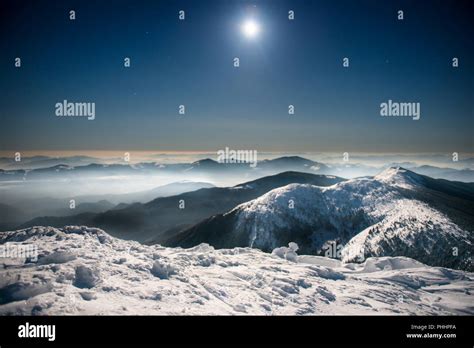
(162, 214)
(398, 203)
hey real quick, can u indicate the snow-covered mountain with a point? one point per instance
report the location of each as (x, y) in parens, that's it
(395, 213)
(298, 163)
(81, 270)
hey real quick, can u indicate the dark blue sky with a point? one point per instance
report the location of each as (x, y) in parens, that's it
(190, 62)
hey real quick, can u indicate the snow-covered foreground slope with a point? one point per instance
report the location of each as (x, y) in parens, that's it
(83, 270)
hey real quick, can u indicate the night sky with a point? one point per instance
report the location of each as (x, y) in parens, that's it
(190, 62)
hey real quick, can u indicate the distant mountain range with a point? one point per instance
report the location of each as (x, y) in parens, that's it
(214, 168)
(36, 162)
(207, 165)
(465, 175)
(396, 213)
(160, 218)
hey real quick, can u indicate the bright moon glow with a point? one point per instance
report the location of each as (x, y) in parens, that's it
(250, 29)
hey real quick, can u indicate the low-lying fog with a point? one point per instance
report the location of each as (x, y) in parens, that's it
(41, 185)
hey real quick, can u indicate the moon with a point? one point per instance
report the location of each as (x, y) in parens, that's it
(250, 28)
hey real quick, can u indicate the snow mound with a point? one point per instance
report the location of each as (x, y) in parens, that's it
(22, 291)
(377, 264)
(86, 277)
(287, 253)
(56, 257)
(163, 270)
